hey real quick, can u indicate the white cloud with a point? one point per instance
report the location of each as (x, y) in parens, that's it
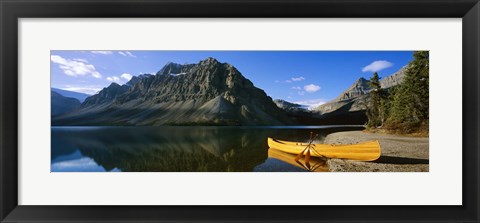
(113, 79)
(297, 78)
(126, 76)
(301, 93)
(126, 54)
(75, 67)
(296, 88)
(291, 80)
(311, 88)
(310, 104)
(81, 60)
(91, 90)
(377, 66)
(101, 52)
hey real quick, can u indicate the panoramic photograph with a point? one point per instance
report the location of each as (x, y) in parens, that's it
(239, 111)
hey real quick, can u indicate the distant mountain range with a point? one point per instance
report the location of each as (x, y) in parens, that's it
(349, 107)
(354, 97)
(206, 93)
(71, 94)
(61, 104)
(288, 106)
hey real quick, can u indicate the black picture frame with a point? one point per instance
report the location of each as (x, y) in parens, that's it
(12, 10)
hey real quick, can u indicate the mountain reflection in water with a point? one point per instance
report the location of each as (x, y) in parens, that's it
(172, 149)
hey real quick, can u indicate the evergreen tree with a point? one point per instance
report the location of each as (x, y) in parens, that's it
(409, 108)
(375, 111)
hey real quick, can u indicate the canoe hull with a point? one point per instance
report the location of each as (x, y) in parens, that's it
(365, 151)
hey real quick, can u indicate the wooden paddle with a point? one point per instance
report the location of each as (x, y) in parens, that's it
(307, 158)
(307, 155)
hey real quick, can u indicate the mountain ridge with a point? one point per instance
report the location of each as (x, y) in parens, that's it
(353, 101)
(60, 104)
(71, 94)
(206, 93)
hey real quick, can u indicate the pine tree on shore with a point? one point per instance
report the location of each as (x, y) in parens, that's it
(375, 111)
(410, 105)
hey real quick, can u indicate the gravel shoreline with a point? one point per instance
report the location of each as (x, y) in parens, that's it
(399, 153)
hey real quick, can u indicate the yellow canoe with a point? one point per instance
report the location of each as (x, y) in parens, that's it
(365, 151)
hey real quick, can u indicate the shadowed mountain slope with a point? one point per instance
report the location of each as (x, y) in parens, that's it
(60, 104)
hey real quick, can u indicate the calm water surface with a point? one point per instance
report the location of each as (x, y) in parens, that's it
(177, 148)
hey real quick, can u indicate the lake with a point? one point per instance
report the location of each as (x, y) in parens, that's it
(180, 148)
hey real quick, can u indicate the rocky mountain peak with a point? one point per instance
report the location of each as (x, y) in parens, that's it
(136, 79)
(171, 68)
(358, 88)
(106, 95)
(394, 79)
(113, 85)
(361, 81)
(206, 79)
(209, 61)
(208, 92)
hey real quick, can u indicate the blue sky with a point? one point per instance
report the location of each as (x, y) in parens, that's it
(305, 77)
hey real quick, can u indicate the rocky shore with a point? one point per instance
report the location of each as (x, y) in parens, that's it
(399, 153)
